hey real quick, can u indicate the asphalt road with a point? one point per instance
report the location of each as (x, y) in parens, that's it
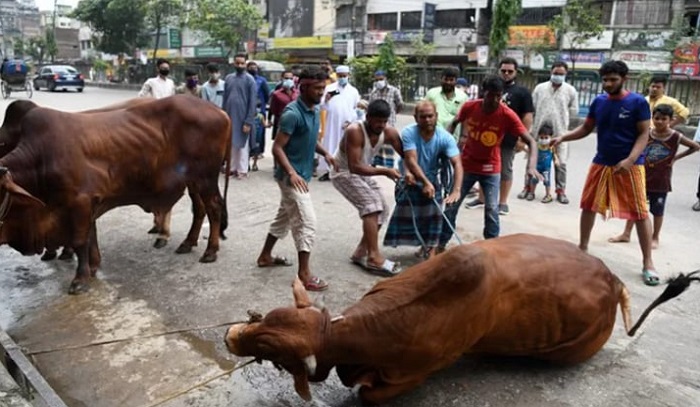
(108, 348)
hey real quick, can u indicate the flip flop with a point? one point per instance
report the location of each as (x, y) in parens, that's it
(359, 261)
(315, 284)
(650, 277)
(277, 261)
(388, 269)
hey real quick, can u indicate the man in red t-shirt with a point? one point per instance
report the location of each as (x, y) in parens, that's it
(484, 124)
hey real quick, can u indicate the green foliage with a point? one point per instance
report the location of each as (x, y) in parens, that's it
(581, 20)
(159, 14)
(100, 65)
(273, 55)
(363, 68)
(19, 46)
(227, 22)
(421, 50)
(51, 47)
(503, 17)
(119, 25)
(36, 48)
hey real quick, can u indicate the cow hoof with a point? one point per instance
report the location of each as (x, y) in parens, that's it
(48, 255)
(208, 258)
(184, 249)
(154, 230)
(66, 255)
(77, 287)
(160, 243)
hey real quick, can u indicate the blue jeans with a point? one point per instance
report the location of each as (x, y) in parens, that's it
(491, 186)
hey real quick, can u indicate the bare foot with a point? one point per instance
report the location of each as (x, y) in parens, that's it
(654, 244)
(619, 239)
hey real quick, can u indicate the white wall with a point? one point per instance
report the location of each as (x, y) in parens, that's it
(324, 18)
(543, 3)
(389, 6)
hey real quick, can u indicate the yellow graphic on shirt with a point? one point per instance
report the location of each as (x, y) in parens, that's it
(489, 138)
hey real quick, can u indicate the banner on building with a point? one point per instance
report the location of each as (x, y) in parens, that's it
(685, 60)
(604, 41)
(656, 61)
(428, 21)
(319, 41)
(643, 39)
(579, 60)
(528, 35)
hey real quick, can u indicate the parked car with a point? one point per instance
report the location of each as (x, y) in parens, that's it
(54, 77)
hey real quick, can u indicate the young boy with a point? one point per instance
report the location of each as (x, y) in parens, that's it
(545, 155)
(660, 156)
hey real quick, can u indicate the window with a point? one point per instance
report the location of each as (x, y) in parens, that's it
(537, 16)
(343, 17)
(383, 21)
(642, 12)
(411, 20)
(463, 18)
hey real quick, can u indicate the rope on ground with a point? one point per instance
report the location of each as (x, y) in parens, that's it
(201, 384)
(131, 338)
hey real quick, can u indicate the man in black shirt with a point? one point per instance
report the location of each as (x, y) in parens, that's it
(518, 98)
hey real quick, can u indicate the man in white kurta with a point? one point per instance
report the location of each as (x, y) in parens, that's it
(339, 101)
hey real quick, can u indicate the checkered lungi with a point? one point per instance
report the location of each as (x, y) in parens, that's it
(363, 193)
(401, 231)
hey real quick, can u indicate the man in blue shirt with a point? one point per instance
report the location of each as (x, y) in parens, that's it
(615, 184)
(293, 149)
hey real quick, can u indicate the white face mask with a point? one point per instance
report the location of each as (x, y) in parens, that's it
(380, 84)
(557, 79)
(544, 142)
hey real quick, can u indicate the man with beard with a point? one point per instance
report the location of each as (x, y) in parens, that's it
(293, 149)
(485, 123)
(353, 179)
(517, 98)
(447, 99)
(428, 150)
(240, 99)
(615, 185)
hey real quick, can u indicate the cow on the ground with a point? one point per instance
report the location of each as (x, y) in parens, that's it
(519, 295)
(67, 169)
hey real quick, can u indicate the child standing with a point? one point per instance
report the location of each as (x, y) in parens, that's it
(545, 155)
(660, 155)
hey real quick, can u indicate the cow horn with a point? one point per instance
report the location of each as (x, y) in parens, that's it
(310, 363)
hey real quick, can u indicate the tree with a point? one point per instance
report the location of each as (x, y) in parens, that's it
(50, 42)
(159, 15)
(394, 66)
(119, 25)
(36, 48)
(579, 21)
(226, 22)
(422, 51)
(504, 16)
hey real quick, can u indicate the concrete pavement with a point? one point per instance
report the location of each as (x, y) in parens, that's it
(114, 346)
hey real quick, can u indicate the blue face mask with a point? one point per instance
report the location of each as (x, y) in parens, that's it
(288, 83)
(342, 81)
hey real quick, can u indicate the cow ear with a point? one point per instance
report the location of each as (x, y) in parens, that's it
(301, 297)
(301, 385)
(18, 193)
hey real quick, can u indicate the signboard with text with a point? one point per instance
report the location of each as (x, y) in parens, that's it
(523, 35)
(428, 21)
(685, 60)
(174, 38)
(645, 60)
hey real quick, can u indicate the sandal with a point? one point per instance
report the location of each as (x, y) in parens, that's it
(547, 199)
(315, 284)
(388, 269)
(255, 167)
(277, 261)
(359, 261)
(650, 277)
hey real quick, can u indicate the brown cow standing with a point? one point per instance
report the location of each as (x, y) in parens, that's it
(67, 169)
(519, 295)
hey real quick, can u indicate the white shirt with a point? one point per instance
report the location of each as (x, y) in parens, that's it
(158, 88)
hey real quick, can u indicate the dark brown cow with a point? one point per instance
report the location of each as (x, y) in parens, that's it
(67, 169)
(520, 295)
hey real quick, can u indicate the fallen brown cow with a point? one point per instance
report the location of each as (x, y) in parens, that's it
(67, 169)
(520, 295)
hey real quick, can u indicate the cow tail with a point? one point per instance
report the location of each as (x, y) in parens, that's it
(674, 288)
(227, 159)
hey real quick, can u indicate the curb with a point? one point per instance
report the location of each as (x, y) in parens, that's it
(112, 85)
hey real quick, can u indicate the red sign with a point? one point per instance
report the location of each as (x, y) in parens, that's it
(685, 60)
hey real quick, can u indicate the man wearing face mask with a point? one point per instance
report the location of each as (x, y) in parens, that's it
(161, 86)
(280, 98)
(390, 94)
(555, 102)
(213, 90)
(191, 85)
(339, 102)
(240, 100)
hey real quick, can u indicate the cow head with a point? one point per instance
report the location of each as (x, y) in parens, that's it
(11, 126)
(15, 204)
(290, 338)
